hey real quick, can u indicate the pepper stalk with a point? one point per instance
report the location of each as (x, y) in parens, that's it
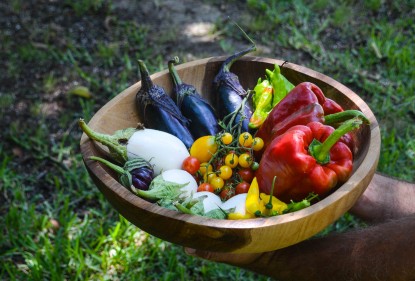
(274, 206)
(268, 206)
(342, 116)
(321, 151)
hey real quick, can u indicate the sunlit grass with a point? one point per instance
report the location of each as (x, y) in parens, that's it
(58, 226)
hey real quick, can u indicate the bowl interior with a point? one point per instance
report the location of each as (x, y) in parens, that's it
(254, 235)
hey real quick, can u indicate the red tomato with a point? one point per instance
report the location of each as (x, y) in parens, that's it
(191, 165)
(242, 187)
(246, 175)
(226, 193)
(205, 187)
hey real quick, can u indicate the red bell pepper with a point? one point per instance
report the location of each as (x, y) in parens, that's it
(303, 104)
(307, 159)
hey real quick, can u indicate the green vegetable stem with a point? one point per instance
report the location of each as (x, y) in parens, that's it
(137, 173)
(116, 143)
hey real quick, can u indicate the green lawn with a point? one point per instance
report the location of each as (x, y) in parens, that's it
(56, 224)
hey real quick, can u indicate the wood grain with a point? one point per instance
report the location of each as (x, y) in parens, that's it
(244, 236)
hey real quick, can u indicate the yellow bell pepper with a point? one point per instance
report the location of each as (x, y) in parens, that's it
(239, 216)
(259, 204)
(277, 205)
(254, 204)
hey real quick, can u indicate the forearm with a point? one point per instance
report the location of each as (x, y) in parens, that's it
(385, 198)
(384, 252)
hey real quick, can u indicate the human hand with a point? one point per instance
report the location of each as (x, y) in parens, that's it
(356, 253)
(262, 263)
(241, 260)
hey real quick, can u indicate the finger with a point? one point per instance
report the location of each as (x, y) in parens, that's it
(229, 258)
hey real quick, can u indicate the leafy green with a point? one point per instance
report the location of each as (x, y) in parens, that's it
(162, 191)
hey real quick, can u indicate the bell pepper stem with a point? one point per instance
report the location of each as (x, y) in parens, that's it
(269, 204)
(321, 151)
(340, 117)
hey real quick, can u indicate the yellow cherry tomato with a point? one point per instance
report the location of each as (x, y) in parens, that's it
(203, 148)
(245, 139)
(226, 138)
(205, 168)
(225, 172)
(217, 183)
(245, 160)
(231, 160)
(258, 144)
(208, 177)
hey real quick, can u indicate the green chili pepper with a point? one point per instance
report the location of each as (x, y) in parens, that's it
(296, 206)
(279, 83)
(262, 100)
(268, 93)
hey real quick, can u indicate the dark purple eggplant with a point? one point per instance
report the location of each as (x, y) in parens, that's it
(229, 93)
(158, 111)
(202, 117)
(137, 173)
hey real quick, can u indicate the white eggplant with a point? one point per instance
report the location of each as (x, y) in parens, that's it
(181, 177)
(236, 204)
(170, 186)
(202, 203)
(210, 202)
(162, 150)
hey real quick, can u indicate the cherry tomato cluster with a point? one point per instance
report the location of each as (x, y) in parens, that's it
(224, 164)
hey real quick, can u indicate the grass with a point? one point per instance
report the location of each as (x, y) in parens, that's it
(57, 225)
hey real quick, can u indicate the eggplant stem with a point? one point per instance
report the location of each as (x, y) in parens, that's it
(146, 81)
(117, 143)
(175, 76)
(226, 66)
(114, 167)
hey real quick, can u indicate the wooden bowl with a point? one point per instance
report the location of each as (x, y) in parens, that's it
(241, 236)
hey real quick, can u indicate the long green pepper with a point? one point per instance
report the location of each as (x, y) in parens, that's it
(268, 93)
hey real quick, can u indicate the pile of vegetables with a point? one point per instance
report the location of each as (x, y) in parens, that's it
(272, 150)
